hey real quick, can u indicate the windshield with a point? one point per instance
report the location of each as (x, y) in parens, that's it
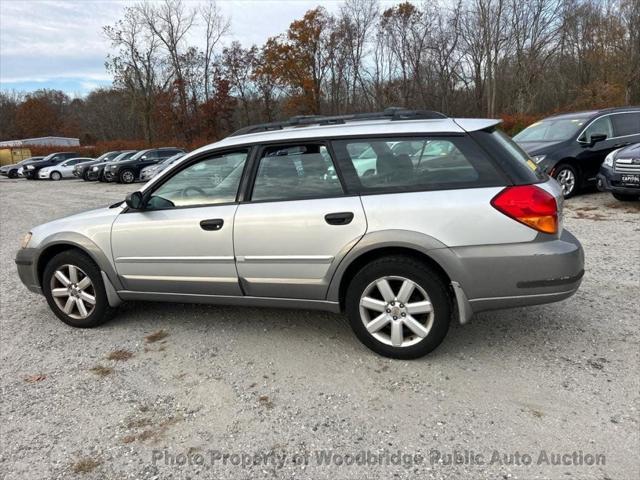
(122, 156)
(105, 157)
(551, 130)
(172, 159)
(138, 155)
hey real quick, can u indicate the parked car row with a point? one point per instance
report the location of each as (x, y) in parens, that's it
(122, 166)
(572, 148)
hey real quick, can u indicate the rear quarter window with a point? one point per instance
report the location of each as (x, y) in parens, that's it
(371, 165)
(626, 124)
(512, 160)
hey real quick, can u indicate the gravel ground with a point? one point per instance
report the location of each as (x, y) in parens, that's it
(215, 383)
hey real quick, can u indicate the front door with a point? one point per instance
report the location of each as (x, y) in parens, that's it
(297, 224)
(182, 241)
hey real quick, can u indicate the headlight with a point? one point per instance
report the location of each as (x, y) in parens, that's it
(29, 167)
(25, 240)
(538, 158)
(94, 169)
(608, 160)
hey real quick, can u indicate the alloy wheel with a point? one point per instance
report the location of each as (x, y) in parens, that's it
(396, 311)
(73, 291)
(567, 180)
(127, 176)
(56, 176)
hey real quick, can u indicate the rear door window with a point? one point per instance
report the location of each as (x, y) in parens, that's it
(626, 124)
(422, 163)
(296, 172)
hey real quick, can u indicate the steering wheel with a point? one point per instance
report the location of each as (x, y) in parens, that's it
(197, 190)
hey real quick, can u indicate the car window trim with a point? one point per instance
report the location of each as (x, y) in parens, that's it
(169, 173)
(583, 142)
(261, 147)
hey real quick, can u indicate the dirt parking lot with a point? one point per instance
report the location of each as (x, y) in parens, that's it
(187, 391)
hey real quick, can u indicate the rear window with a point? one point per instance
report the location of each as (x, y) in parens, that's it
(509, 156)
(411, 164)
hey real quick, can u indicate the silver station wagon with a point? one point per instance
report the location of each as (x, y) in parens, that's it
(405, 220)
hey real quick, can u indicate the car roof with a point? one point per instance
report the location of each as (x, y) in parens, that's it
(592, 113)
(356, 128)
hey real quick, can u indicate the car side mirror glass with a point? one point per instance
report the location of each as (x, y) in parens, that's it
(135, 201)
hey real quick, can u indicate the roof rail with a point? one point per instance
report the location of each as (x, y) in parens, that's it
(391, 113)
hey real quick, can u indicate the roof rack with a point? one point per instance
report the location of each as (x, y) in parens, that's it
(391, 113)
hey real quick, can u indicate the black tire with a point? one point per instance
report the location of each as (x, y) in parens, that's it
(55, 176)
(13, 173)
(425, 278)
(623, 197)
(569, 170)
(85, 176)
(127, 176)
(102, 312)
(101, 177)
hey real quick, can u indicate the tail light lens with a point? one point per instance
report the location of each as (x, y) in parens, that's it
(530, 205)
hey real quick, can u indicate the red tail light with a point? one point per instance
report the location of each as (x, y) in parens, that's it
(530, 205)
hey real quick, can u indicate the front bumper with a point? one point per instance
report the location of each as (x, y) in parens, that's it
(28, 269)
(515, 275)
(609, 181)
(109, 176)
(30, 174)
(43, 175)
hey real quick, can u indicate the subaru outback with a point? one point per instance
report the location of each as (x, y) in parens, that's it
(404, 220)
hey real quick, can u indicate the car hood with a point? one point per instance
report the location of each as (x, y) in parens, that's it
(534, 148)
(7, 167)
(632, 151)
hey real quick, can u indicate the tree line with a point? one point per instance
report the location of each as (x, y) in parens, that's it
(180, 77)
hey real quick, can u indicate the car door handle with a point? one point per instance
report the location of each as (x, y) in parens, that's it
(339, 218)
(212, 224)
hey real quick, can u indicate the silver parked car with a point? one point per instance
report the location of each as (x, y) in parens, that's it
(62, 170)
(403, 219)
(147, 173)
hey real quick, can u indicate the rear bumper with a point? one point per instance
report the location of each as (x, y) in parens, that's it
(514, 275)
(27, 269)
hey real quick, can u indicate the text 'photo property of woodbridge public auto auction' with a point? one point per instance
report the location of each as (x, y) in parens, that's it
(323, 239)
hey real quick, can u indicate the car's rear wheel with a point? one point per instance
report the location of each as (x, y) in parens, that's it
(399, 307)
(568, 178)
(625, 197)
(127, 176)
(74, 289)
(55, 176)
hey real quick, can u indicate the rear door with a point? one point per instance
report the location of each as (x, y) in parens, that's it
(296, 224)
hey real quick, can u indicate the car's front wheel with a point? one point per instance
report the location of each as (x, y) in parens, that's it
(74, 289)
(127, 176)
(567, 176)
(399, 307)
(13, 174)
(55, 176)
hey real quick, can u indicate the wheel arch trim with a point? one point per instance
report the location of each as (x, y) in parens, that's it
(80, 242)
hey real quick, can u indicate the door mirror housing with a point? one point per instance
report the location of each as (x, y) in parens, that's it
(597, 137)
(135, 200)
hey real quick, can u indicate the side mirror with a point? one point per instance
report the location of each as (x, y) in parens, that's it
(135, 201)
(597, 137)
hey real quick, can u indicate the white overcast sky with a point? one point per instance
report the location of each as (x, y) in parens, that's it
(59, 43)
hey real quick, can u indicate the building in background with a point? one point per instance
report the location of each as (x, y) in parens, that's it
(42, 142)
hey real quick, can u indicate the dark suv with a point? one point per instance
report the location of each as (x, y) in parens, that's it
(82, 169)
(572, 146)
(31, 169)
(128, 171)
